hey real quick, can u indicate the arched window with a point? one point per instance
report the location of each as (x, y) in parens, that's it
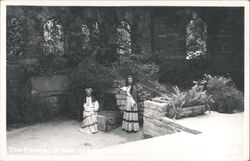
(85, 34)
(89, 33)
(196, 38)
(53, 37)
(123, 38)
(15, 36)
(95, 31)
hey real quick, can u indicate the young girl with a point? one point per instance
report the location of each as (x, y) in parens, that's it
(130, 117)
(91, 106)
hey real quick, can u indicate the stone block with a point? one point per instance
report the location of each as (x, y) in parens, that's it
(108, 120)
(153, 113)
(155, 105)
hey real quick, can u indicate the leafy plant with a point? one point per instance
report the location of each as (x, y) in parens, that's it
(196, 39)
(193, 97)
(226, 96)
(15, 36)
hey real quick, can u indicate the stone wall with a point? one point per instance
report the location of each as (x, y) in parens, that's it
(157, 124)
(157, 32)
(23, 71)
(153, 123)
(225, 31)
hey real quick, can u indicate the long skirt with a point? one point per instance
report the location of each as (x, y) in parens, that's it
(89, 123)
(130, 117)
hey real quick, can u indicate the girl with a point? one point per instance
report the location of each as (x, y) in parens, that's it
(130, 117)
(91, 106)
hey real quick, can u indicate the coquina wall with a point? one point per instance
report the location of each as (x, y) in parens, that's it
(158, 32)
(225, 43)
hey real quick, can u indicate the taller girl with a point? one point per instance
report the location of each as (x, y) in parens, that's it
(130, 117)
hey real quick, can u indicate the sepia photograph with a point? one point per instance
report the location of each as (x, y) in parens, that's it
(124, 80)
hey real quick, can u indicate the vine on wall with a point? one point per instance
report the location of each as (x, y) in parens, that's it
(123, 38)
(15, 36)
(196, 39)
(90, 34)
(53, 37)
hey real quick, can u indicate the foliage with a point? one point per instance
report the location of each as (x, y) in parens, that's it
(53, 37)
(89, 34)
(193, 97)
(196, 39)
(123, 38)
(85, 34)
(15, 36)
(145, 72)
(89, 74)
(226, 96)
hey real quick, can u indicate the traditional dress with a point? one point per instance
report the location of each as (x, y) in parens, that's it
(89, 123)
(130, 117)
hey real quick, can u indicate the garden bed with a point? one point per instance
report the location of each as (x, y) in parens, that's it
(185, 111)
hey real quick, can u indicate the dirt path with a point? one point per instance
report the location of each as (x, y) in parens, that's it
(63, 137)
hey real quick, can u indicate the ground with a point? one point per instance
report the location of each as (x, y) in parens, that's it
(222, 138)
(63, 137)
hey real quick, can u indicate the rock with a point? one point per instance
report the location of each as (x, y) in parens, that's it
(108, 120)
(153, 113)
(156, 106)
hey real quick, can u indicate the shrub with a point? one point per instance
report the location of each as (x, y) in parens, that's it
(146, 74)
(89, 74)
(195, 96)
(226, 96)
